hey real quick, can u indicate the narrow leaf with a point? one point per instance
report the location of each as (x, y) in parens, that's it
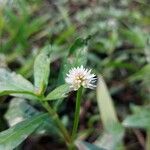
(108, 114)
(113, 129)
(41, 71)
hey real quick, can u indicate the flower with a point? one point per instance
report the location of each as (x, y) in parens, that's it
(80, 76)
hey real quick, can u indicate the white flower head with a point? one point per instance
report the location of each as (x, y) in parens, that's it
(80, 76)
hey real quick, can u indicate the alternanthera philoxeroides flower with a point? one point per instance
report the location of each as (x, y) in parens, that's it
(80, 76)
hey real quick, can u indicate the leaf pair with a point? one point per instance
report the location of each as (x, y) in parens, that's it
(12, 83)
(17, 85)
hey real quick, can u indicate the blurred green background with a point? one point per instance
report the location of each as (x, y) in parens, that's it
(119, 50)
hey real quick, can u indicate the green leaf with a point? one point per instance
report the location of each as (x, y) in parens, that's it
(141, 119)
(135, 36)
(87, 146)
(66, 34)
(78, 52)
(114, 136)
(41, 71)
(77, 44)
(113, 129)
(58, 93)
(77, 56)
(108, 115)
(19, 110)
(142, 74)
(12, 83)
(11, 138)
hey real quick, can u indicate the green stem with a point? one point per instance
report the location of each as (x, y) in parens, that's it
(58, 123)
(148, 140)
(77, 113)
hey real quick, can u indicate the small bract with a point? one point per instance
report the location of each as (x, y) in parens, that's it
(80, 76)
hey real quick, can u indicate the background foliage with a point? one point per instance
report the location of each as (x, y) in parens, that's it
(111, 37)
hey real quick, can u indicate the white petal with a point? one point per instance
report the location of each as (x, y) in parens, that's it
(80, 76)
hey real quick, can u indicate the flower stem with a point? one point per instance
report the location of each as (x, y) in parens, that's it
(58, 123)
(77, 113)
